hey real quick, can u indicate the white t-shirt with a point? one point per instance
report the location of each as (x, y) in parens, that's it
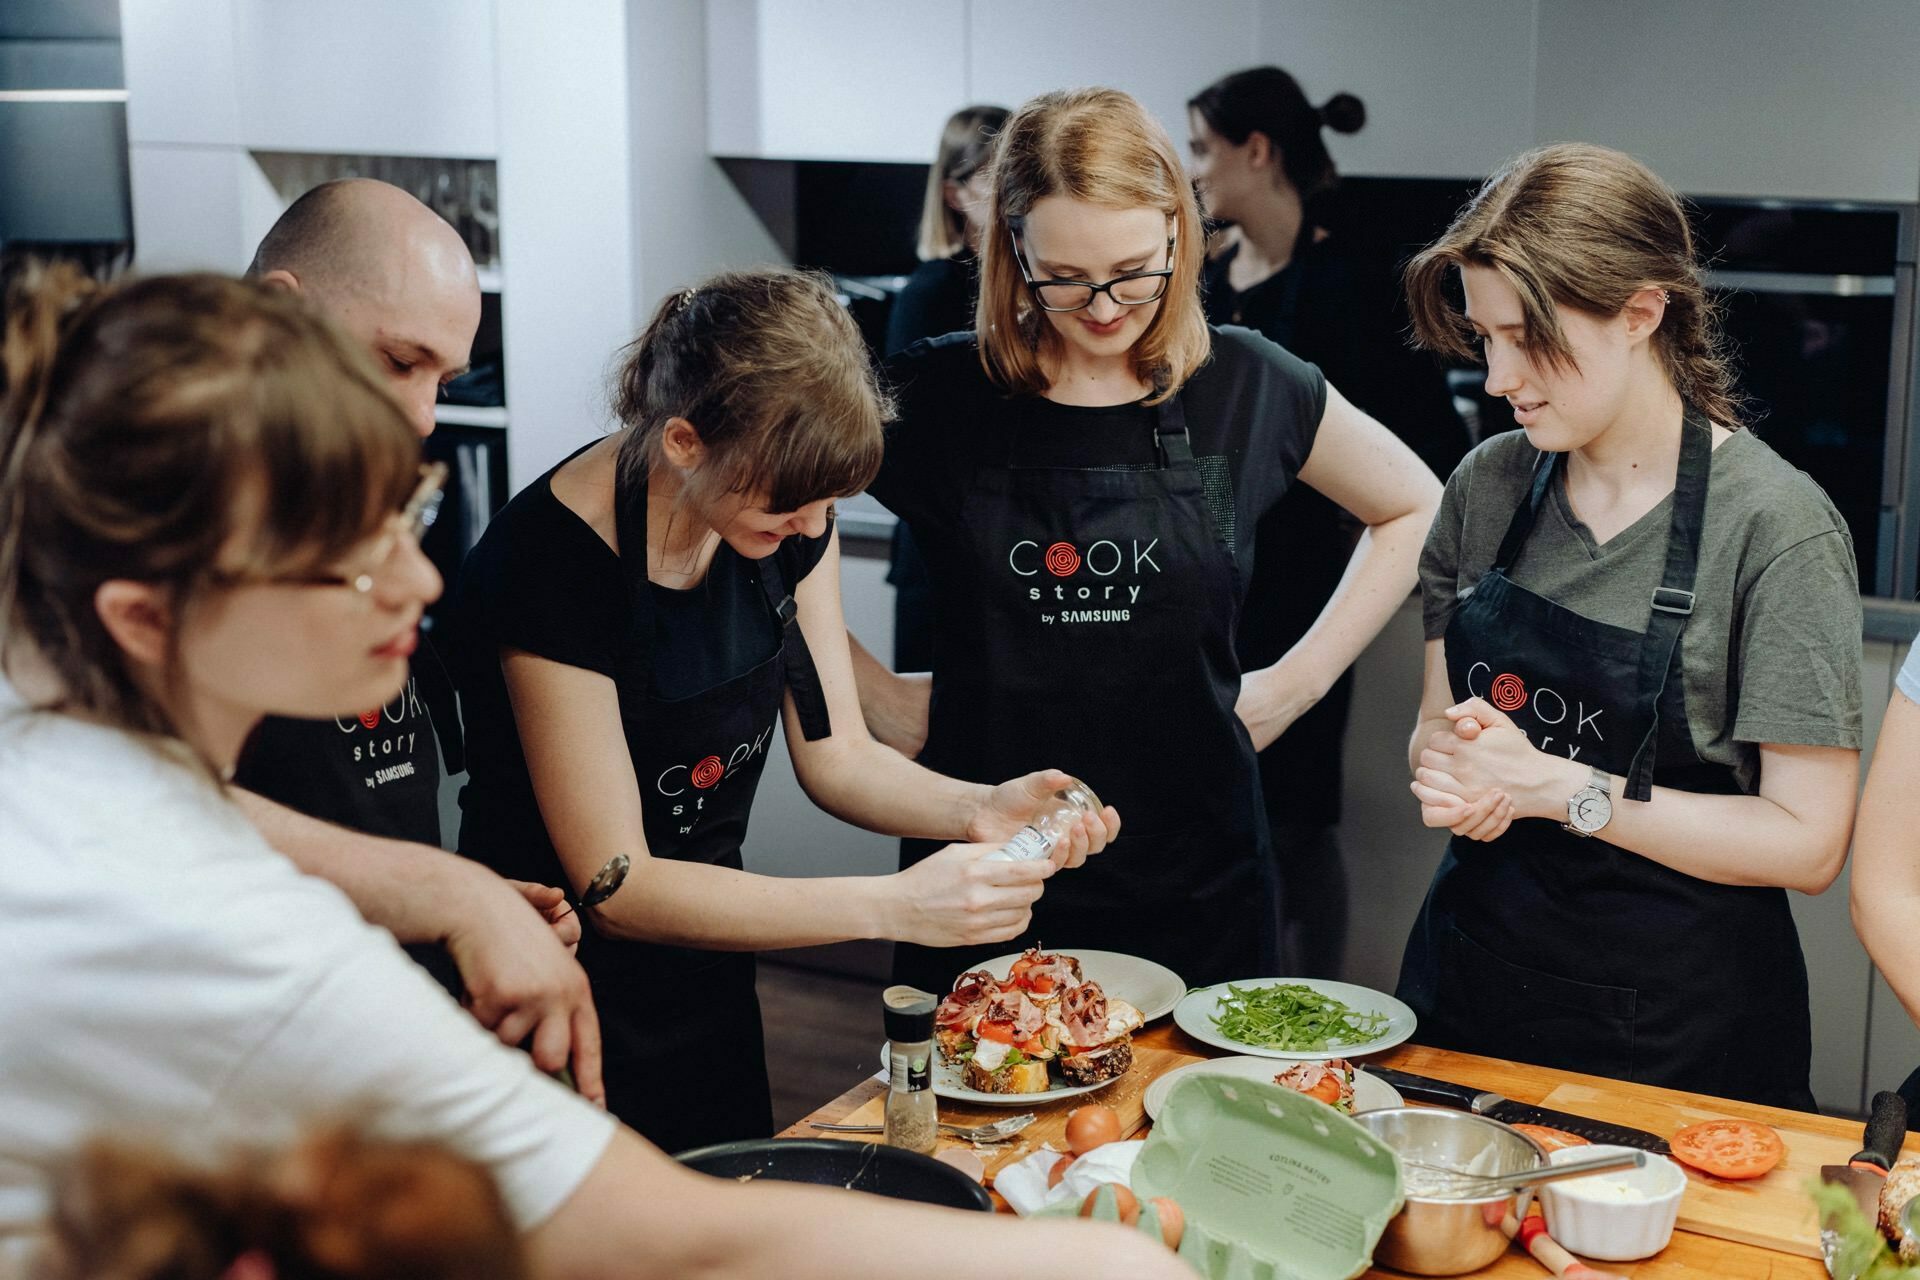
(166, 976)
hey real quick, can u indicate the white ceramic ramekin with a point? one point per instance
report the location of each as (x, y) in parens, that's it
(1595, 1225)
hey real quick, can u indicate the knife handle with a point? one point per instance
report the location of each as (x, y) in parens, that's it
(1886, 1130)
(1440, 1093)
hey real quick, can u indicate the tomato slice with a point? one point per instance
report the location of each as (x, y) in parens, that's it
(1552, 1139)
(1729, 1148)
(1001, 1031)
(1040, 985)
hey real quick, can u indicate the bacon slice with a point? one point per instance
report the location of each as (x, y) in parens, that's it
(967, 1000)
(1013, 1006)
(1083, 1015)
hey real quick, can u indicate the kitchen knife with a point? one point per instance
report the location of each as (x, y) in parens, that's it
(1498, 1107)
(1866, 1173)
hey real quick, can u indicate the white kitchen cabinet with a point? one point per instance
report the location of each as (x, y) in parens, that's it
(1448, 87)
(182, 85)
(1161, 54)
(847, 80)
(369, 77)
(1741, 97)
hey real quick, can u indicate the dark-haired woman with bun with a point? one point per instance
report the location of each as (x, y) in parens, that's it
(1260, 163)
(1641, 717)
(635, 625)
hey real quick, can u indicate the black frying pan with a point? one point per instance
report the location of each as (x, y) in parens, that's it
(859, 1166)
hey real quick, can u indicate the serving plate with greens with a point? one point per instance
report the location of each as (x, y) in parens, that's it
(1310, 1018)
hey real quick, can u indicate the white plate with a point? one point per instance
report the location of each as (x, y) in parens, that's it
(1370, 1093)
(1194, 1015)
(1151, 988)
(949, 1082)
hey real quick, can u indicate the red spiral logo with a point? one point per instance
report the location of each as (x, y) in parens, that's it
(371, 719)
(1509, 692)
(1062, 559)
(708, 772)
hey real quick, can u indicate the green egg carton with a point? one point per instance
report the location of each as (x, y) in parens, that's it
(1275, 1185)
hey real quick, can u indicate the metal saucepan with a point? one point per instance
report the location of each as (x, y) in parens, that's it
(1436, 1235)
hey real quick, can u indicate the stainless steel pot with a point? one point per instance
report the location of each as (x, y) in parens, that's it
(1433, 1235)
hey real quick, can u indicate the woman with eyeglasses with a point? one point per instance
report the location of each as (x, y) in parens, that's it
(1084, 473)
(635, 626)
(1260, 163)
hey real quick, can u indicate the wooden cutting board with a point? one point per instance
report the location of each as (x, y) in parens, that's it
(1127, 1096)
(1773, 1212)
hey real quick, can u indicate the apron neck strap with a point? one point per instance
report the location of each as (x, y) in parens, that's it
(1173, 446)
(630, 526)
(1673, 598)
(1524, 515)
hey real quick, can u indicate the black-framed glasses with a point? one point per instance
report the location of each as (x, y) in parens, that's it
(1136, 288)
(410, 522)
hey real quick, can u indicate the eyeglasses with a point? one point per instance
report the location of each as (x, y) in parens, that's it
(411, 522)
(1136, 288)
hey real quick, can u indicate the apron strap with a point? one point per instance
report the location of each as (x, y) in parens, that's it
(1171, 440)
(809, 699)
(1524, 515)
(630, 525)
(1673, 598)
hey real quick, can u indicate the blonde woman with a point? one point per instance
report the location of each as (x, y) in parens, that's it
(1641, 718)
(1084, 473)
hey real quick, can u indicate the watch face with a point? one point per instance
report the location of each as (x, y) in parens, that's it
(1591, 809)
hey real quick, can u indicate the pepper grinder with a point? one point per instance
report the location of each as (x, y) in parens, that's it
(913, 1117)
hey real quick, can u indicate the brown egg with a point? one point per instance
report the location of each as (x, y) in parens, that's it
(1092, 1126)
(1173, 1220)
(1123, 1198)
(1058, 1171)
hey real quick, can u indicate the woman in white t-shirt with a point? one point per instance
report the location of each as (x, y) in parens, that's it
(209, 510)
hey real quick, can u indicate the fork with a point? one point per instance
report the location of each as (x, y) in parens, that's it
(998, 1131)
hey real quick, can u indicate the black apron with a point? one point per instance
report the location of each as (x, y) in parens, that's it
(685, 1057)
(1093, 632)
(1549, 948)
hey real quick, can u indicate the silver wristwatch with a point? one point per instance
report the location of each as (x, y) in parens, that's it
(1591, 807)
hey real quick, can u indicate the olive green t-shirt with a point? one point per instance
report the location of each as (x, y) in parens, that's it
(1772, 650)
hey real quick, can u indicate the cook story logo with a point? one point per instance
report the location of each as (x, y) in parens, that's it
(1098, 583)
(686, 787)
(1541, 712)
(387, 735)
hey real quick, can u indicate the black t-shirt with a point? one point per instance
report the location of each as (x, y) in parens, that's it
(1252, 410)
(1344, 316)
(377, 773)
(543, 581)
(937, 299)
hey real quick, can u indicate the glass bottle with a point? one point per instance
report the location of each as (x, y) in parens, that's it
(1037, 839)
(913, 1117)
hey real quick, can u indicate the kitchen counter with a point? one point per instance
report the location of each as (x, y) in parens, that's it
(1811, 1140)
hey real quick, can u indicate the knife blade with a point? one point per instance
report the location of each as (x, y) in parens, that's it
(1866, 1173)
(1499, 1107)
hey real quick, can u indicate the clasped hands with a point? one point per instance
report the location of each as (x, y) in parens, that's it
(1481, 772)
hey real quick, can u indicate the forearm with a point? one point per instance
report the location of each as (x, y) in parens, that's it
(1885, 921)
(895, 706)
(411, 890)
(690, 904)
(1382, 571)
(1724, 839)
(875, 787)
(639, 1216)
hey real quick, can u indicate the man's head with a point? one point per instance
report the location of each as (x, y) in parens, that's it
(389, 271)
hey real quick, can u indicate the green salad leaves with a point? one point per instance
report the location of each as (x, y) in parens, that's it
(1294, 1018)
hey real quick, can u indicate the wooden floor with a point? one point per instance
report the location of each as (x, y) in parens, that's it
(823, 1035)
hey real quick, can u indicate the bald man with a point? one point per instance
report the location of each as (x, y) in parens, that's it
(355, 799)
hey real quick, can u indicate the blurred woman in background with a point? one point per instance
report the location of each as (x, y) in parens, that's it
(1260, 163)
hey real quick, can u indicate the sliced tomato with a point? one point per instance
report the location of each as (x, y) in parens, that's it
(1729, 1148)
(1552, 1139)
(1041, 984)
(1001, 1031)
